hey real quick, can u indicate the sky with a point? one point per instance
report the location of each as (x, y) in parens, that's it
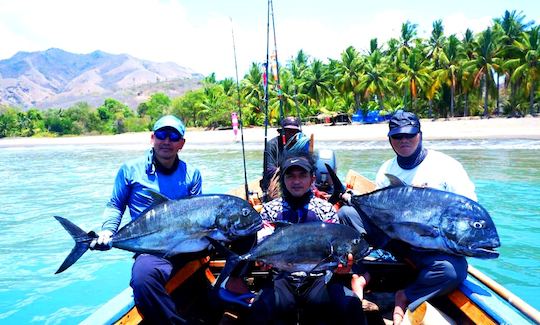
(198, 34)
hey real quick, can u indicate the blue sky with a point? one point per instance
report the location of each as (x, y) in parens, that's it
(197, 33)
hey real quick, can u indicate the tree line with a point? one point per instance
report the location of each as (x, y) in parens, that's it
(493, 72)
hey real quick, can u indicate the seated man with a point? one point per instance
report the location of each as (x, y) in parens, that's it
(330, 303)
(438, 272)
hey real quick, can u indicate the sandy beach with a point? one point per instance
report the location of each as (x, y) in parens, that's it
(471, 128)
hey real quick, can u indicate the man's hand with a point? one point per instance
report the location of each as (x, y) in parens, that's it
(345, 269)
(346, 197)
(103, 242)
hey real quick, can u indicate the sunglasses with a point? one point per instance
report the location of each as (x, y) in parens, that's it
(163, 134)
(400, 136)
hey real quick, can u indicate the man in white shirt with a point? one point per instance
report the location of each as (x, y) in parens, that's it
(438, 272)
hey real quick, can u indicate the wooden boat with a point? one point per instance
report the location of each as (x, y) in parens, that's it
(478, 300)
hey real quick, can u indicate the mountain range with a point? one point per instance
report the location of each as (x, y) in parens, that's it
(56, 78)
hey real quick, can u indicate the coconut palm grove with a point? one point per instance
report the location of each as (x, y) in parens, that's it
(494, 72)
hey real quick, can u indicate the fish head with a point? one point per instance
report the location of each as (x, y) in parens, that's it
(237, 218)
(351, 242)
(469, 230)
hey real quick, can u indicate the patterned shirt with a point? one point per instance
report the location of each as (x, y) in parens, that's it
(315, 210)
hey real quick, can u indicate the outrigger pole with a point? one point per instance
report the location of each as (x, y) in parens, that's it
(241, 122)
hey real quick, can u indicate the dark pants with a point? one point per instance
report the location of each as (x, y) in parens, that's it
(149, 275)
(310, 302)
(438, 272)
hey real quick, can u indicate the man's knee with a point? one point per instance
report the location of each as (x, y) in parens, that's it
(148, 273)
(454, 270)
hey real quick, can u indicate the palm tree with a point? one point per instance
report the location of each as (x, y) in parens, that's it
(436, 44)
(527, 65)
(468, 44)
(253, 92)
(347, 74)
(415, 76)
(377, 77)
(509, 29)
(408, 32)
(297, 67)
(484, 64)
(450, 63)
(317, 83)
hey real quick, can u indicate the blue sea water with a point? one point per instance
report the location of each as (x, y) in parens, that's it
(75, 182)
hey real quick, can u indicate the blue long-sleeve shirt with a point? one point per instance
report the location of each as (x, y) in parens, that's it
(139, 174)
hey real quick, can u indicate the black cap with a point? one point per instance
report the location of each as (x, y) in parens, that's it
(301, 162)
(403, 122)
(290, 123)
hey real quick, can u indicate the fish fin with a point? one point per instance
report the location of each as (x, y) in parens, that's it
(156, 197)
(82, 243)
(394, 180)
(328, 276)
(281, 224)
(232, 261)
(420, 229)
(339, 188)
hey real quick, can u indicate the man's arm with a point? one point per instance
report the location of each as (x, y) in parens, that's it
(117, 203)
(458, 181)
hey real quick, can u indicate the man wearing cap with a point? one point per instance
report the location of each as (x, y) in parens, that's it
(162, 171)
(280, 302)
(438, 272)
(290, 129)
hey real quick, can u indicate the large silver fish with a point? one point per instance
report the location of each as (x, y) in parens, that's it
(170, 227)
(429, 218)
(305, 247)
(309, 247)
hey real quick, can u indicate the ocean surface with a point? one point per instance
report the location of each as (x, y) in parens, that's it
(75, 182)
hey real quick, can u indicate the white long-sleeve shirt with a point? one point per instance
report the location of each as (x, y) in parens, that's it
(437, 171)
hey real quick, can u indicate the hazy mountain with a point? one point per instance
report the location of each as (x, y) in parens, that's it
(56, 78)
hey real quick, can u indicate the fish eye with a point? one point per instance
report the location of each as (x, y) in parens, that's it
(245, 212)
(356, 241)
(478, 224)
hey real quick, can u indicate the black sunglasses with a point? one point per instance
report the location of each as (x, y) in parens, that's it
(400, 136)
(163, 134)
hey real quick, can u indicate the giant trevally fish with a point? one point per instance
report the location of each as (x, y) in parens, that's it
(304, 247)
(170, 227)
(428, 218)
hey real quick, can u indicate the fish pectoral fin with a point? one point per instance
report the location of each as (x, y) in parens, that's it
(394, 180)
(281, 224)
(157, 197)
(418, 228)
(217, 235)
(328, 276)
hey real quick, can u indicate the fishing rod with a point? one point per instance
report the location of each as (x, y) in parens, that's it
(265, 84)
(241, 122)
(276, 74)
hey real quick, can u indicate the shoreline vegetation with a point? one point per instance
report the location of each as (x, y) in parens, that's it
(494, 72)
(440, 129)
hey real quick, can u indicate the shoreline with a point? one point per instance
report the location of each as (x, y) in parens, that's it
(441, 129)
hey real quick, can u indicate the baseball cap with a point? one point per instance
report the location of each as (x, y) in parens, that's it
(172, 122)
(290, 123)
(301, 162)
(403, 122)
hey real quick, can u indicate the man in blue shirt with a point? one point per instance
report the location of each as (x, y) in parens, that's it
(162, 171)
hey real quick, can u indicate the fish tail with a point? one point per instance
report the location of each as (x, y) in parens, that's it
(82, 242)
(232, 261)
